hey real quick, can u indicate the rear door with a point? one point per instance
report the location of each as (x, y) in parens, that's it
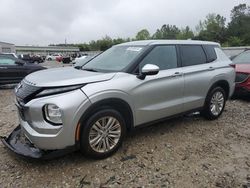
(198, 71)
(160, 95)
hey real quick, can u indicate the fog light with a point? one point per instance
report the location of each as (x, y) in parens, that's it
(53, 114)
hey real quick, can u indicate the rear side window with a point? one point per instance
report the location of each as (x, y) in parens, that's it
(164, 57)
(211, 55)
(192, 55)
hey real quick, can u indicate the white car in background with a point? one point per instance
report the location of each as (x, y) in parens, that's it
(79, 59)
(53, 57)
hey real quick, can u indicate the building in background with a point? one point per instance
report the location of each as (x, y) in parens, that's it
(7, 47)
(45, 50)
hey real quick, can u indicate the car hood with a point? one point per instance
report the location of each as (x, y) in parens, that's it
(65, 76)
(244, 68)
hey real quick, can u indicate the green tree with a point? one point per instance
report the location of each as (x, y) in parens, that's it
(186, 33)
(105, 43)
(167, 32)
(213, 28)
(83, 47)
(143, 35)
(240, 24)
(235, 41)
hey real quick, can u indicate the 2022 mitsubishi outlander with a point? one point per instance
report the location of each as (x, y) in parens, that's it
(131, 84)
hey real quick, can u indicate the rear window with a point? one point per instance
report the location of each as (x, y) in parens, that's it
(211, 55)
(192, 55)
(243, 58)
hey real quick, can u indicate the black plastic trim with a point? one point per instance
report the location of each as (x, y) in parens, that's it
(167, 118)
(27, 150)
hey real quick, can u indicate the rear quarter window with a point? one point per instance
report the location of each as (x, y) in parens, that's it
(210, 52)
(192, 55)
(221, 55)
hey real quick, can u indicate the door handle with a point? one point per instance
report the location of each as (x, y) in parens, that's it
(3, 67)
(211, 68)
(176, 74)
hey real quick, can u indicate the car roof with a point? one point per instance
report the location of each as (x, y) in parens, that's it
(155, 42)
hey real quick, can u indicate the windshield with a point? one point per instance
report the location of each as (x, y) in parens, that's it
(114, 59)
(243, 58)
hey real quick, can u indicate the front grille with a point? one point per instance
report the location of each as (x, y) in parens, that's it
(21, 111)
(25, 92)
(241, 77)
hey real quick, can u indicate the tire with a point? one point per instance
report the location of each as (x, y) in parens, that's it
(93, 130)
(214, 104)
(49, 59)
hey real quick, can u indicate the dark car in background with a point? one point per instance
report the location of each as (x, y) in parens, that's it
(242, 67)
(31, 59)
(13, 70)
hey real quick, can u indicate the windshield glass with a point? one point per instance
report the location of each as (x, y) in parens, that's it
(114, 59)
(243, 58)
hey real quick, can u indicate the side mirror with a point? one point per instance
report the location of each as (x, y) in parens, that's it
(19, 63)
(148, 69)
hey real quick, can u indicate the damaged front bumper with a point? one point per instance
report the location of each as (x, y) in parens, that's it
(20, 145)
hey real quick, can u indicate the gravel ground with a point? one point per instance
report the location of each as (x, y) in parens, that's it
(183, 152)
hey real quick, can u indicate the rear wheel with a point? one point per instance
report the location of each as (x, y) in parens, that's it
(103, 133)
(214, 104)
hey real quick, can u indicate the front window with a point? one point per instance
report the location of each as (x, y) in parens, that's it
(164, 57)
(114, 59)
(243, 58)
(6, 61)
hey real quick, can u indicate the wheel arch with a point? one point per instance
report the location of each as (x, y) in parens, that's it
(223, 84)
(115, 103)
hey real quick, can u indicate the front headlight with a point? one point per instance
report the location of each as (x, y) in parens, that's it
(53, 114)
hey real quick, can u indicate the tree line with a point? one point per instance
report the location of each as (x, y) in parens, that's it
(214, 28)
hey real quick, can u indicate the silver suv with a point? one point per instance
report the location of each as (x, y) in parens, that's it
(136, 83)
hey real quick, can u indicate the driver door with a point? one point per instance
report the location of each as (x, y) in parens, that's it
(159, 96)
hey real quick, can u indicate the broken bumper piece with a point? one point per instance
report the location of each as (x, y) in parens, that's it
(20, 145)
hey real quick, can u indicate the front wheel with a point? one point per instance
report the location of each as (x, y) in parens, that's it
(214, 104)
(103, 133)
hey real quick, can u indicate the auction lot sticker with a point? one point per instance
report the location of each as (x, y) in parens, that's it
(135, 49)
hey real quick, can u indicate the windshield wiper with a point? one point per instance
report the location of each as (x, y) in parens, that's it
(90, 69)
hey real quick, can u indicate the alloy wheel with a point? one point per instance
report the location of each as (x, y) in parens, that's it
(104, 134)
(217, 103)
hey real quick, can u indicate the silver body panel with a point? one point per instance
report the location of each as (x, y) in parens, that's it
(158, 96)
(49, 137)
(66, 76)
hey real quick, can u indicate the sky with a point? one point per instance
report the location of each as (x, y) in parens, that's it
(44, 22)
